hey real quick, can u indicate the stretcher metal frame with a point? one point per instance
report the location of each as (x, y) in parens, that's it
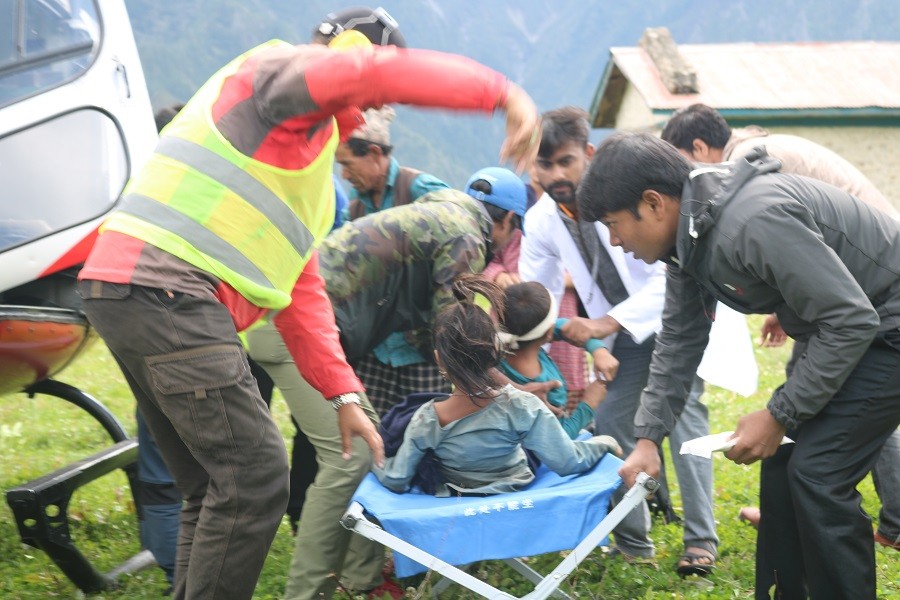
(355, 519)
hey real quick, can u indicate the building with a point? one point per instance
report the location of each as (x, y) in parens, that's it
(845, 96)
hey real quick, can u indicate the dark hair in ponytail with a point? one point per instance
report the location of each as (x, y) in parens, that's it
(465, 336)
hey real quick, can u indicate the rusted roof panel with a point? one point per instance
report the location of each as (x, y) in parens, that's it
(793, 76)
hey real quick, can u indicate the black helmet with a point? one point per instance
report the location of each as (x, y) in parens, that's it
(377, 25)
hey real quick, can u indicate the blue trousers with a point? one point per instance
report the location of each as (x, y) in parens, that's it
(160, 502)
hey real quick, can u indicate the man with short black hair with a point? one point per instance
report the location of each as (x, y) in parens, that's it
(701, 134)
(827, 265)
(622, 299)
(393, 368)
(377, 178)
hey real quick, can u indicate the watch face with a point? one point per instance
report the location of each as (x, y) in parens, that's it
(349, 398)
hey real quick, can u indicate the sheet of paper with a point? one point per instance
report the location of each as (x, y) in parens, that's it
(729, 361)
(717, 442)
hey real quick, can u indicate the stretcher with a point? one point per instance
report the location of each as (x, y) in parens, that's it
(445, 534)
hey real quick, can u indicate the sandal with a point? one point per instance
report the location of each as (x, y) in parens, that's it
(694, 563)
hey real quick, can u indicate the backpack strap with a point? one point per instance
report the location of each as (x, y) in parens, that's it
(356, 209)
(402, 192)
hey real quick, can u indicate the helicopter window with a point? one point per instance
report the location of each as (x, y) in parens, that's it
(59, 174)
(44, 43)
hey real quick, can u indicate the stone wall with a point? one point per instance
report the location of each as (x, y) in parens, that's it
(873, 150)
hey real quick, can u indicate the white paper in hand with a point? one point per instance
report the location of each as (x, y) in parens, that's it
(717, 442)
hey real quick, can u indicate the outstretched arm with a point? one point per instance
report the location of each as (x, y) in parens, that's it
(385, 75)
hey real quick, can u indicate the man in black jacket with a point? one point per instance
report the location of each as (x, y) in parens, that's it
(827, 265)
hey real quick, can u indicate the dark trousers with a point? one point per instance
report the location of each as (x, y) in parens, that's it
(188, 371)
(814, 539)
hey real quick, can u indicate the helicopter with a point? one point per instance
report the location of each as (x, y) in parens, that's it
(75, 123)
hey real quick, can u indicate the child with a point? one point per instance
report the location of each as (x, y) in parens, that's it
(480, 432)
(530, 320)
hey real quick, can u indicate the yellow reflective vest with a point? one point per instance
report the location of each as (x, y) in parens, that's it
(251, 224)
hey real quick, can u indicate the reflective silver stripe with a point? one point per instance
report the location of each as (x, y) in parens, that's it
(161, 215)
(241, 183)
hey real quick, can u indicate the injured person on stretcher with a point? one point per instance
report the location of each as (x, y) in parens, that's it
(482, 439)
(472, 457)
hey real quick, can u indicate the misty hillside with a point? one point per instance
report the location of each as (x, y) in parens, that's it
(555, 49)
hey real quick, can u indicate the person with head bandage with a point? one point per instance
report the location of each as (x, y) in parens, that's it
(481, 439)
(531, 321)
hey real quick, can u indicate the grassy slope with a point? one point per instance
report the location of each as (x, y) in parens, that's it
(41, 434)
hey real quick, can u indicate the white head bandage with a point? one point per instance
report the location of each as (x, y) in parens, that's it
(511, 341)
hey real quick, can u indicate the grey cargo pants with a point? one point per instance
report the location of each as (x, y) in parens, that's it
(188, 371)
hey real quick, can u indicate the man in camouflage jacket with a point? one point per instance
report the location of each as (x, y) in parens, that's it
(393, 270)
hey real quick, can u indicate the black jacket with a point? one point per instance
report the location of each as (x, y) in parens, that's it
(761, 241)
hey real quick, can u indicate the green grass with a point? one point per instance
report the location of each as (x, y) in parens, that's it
(41, 434)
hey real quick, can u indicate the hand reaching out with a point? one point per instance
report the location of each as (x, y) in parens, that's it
(758, 436)
(605, 364)
(352, 420)
(504, 280)
(594, 394)
(579, 329)
(644, 458)
(523, 129)
(771, 334)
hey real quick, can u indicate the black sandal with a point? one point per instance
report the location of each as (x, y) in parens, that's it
(696, 564)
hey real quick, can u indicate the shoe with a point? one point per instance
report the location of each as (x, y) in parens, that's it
(886, 542)
(632, 559)
(388, 589)
(694, 563)
(751, 515)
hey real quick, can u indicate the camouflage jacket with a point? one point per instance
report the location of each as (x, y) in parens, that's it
(394, 269)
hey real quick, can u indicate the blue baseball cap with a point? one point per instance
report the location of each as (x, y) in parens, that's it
(507, 189)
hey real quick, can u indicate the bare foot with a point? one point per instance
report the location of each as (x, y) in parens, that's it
(751, 515)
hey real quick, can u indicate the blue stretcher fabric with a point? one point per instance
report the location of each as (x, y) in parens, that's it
(553, 513)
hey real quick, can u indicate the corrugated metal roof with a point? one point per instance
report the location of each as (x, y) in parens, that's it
(816, 77)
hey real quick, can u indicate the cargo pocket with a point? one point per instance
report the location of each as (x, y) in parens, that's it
(210, 397)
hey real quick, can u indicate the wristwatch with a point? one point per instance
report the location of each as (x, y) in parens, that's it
(348, 398)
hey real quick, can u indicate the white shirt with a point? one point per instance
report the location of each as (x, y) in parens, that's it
(548, 250)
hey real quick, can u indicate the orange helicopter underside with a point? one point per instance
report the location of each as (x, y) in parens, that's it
(36, 343)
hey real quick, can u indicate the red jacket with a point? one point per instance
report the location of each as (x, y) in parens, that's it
(278, 109)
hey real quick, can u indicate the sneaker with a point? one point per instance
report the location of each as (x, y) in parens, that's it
(388, 589)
